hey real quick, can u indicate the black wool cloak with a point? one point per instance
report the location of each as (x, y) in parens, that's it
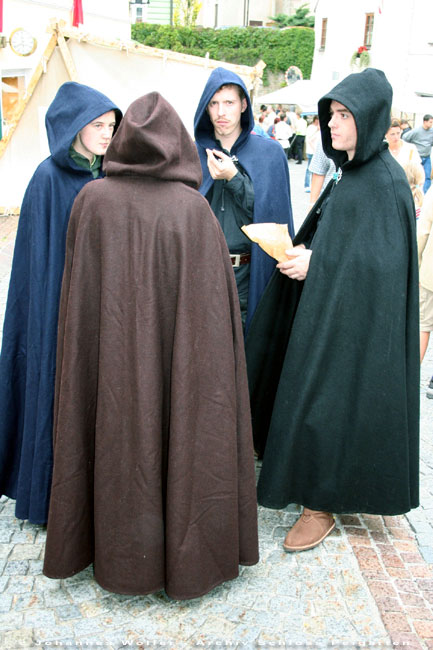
(28, 356)
(334, 361)
(153, 478)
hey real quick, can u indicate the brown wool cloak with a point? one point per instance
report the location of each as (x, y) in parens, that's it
(153, 476)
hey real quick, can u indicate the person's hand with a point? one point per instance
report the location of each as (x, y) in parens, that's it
(221, 167)
(297, 266)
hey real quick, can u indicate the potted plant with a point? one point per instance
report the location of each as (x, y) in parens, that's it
(360, 58)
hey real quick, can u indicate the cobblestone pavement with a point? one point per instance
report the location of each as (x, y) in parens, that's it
(370, 584)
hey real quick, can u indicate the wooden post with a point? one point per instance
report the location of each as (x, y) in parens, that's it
(67, 58)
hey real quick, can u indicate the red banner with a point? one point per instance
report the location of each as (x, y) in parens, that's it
(77, 18)
(1, 16)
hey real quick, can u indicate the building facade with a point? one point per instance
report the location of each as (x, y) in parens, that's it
(217, 13)
(397, 36)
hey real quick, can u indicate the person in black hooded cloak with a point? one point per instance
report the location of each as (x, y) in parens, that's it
(332, 352)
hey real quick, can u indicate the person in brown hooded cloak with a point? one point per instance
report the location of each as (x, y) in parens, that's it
(153, 478)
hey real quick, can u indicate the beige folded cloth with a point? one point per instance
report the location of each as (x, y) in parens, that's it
(274, 238)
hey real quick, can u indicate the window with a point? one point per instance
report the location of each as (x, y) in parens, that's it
(323, 35)
(368, 33)
(139, 14)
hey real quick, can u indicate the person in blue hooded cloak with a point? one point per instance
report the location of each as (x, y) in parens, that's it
(80, 123)
(245, 179)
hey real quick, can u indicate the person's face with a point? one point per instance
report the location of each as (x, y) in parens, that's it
(343, 129)
(393, 135)
(225, 110)
(428, 124)
(95, 137)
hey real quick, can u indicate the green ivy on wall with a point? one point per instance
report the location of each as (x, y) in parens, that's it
(245, 46)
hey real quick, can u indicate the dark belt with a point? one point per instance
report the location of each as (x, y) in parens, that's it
(240, 258)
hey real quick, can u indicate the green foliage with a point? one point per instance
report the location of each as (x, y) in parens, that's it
(186, 12)
(299, 19)
(245, 46)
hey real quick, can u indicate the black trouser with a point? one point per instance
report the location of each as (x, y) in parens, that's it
(299, 147)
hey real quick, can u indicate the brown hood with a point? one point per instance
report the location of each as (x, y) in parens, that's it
(152, 141)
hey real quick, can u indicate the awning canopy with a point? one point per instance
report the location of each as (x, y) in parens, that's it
(304, 93)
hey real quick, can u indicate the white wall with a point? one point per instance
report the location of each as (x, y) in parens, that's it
(231, 12)
(400, 47)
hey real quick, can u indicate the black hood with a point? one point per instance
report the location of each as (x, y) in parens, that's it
(368, 96)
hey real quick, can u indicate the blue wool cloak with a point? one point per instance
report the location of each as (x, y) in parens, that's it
(28, 357)
(264, 161)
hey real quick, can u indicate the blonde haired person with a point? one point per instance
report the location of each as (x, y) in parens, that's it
(415, 176)
(403, 152)
(425, 260)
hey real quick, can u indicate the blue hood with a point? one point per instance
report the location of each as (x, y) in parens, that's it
(74, 106)
(203, 128)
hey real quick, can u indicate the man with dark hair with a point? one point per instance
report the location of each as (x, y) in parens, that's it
(245, 179)
(422, 138)
(333, 352)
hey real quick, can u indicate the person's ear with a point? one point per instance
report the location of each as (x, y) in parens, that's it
(244, 105)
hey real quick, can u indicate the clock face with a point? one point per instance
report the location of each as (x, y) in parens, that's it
(22, 42)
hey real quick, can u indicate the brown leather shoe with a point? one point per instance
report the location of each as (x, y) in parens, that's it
(311, 528)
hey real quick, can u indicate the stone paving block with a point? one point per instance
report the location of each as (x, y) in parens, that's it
(420, 571)
(5, 602)
(381, 538)
(35, 567)
(386, 604)
(359, 541)
(412, 558)
(424, 629)
(397, 572)
(39, 618)
(406, 586)
(407, 641)
(380, 589)
(28, 600)
(314, 625)
(396, 622)
(18, 567)
(48, 636)
(25, 552)
(420, 613)
(11, 620)
(55, 598)
(412, 600)
(402, 533)
(391, 560)
(367, 558)
(350, 520)
(17, 639)
(5, 550)
(65, 612)
(80, 592)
